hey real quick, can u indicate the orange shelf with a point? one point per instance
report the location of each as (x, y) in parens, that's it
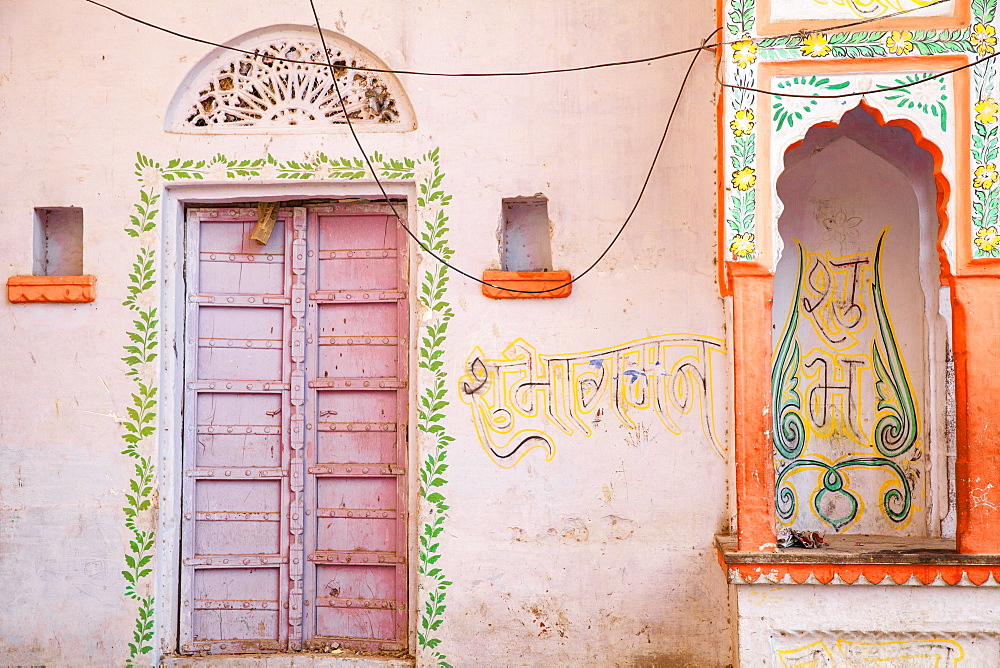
(860, 559)
(51, 289)
(532, 281)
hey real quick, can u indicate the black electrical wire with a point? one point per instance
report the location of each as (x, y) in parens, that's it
(696, 50)
(579, 68)
(445, 262)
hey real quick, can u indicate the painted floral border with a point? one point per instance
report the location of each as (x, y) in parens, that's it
(141, 424)
(984, 144)
(746, 50)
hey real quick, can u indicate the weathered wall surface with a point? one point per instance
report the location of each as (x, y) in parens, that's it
(852, 625)
(594, 550)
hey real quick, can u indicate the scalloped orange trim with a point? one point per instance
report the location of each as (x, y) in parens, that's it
(51, 289)
(534, 281)
(950, 574)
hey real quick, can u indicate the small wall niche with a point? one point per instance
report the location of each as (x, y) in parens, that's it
(525, 234)
(526, 254)
(57, 261)
(58, 236)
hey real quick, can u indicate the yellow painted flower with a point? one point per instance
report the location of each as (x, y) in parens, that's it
(898, 42)
(983, 38)
(743, 125)
(986, 176)
(744, 52)
(816, 45)
(987, 110)
(744, 179)
(743, 245)
(987, 238)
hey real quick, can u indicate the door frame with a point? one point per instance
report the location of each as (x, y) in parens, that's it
(169, 468)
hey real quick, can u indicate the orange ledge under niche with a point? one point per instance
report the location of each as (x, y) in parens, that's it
(51, 289)
(539, 282)
(855, 559)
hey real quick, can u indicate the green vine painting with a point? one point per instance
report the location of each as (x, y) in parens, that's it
(142, 368)
(140, 423)
(929, 97)
(743, 154)
(865, 44)
(789, 110)
(432, 401)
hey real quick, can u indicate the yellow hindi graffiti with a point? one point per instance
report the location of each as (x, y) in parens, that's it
(522, 398)
(934, 652)
(874, 8)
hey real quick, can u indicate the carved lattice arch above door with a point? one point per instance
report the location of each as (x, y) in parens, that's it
(234, 92)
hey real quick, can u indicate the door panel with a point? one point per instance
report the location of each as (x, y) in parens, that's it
(359, 254)
(357, 397)
(363, 448)
(235, 534)
(294, 500)
(237, 517)
(232, 263)
(340, 621)
(237, 604)
(238, 430)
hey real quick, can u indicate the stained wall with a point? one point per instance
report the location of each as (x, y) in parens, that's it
(595, 549)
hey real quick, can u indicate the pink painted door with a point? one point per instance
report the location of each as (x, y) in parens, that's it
(235, 533)
(294, 514)
(356, 421)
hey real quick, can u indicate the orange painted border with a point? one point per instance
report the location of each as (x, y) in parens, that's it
(720, 153)
(526, 280)
(926, 574)
(976, 336)
(51, 289)
(752, 285)
(961, 17)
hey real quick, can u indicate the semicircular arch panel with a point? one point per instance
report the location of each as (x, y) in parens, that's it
(277, 81)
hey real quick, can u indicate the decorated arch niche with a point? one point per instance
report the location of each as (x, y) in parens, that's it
(277, 80)
(932, 110)
(952, 114)
(858, 382)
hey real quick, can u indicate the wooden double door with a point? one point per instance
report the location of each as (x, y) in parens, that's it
(294, 512)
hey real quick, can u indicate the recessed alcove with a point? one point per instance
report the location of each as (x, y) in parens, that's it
(57, 261)
(526, 254)
(58, 236)
(860, 242)
(859, 333)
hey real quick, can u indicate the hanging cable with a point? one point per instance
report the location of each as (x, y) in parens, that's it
(580, 68)
(442, 260)
(696, 50)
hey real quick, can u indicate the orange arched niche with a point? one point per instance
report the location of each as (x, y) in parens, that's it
(975, 295)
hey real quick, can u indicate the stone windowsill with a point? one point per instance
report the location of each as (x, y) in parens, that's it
(532, 281)
(51, 289)
(861, 559)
